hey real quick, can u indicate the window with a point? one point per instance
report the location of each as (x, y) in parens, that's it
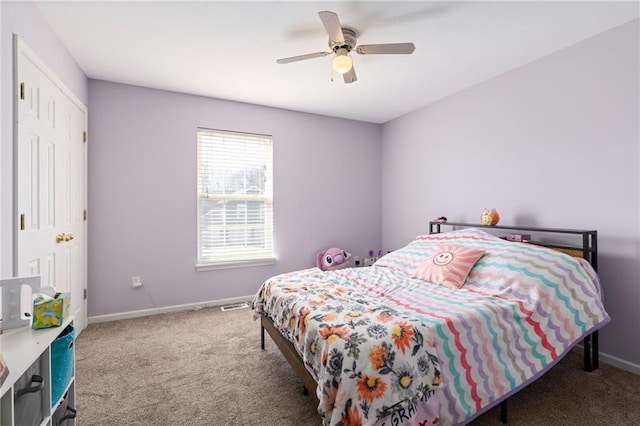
(235, 199)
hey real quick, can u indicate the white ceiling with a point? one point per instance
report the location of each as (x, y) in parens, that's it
(228, 50)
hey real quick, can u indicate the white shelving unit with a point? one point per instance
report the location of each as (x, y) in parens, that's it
(26, 351)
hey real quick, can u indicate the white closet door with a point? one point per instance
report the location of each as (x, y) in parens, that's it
(51, 181)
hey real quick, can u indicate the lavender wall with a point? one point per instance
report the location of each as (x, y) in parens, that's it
(24, 19)
(554, 143)
(142, 194)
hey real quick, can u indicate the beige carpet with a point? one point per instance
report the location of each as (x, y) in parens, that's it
(206, 368)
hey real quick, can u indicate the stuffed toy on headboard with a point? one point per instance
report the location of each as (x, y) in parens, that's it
(333, 258)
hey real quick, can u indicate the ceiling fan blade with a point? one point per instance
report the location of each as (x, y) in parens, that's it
(332, 25)
(302, 57)
(385, 49)
(350, 76)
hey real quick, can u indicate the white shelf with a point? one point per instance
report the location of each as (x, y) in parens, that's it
(21, 348)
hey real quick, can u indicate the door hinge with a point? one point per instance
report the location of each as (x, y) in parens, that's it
(85, 294)
(22, 221)
(22, 91)
(84, 136)
(84, 215)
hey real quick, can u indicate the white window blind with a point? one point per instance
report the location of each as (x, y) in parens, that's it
(235, 199)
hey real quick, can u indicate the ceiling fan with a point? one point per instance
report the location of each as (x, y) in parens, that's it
(342, 41)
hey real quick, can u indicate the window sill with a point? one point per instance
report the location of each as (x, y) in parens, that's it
(211, 266)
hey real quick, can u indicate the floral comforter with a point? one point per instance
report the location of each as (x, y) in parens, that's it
(369, 356)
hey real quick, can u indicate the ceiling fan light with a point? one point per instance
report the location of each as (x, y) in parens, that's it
(341, 63)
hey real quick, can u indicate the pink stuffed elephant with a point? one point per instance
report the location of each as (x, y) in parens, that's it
(333, 258)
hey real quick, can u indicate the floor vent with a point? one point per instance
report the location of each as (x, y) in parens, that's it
(235, 306)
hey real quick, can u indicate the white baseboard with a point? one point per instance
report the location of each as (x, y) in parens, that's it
(620, 363)
(166, 309)
(613, 360)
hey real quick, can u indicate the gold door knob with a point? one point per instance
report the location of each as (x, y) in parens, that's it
(68, 237)
(61, 237)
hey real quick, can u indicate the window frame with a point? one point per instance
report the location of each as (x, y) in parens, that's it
(248, 257)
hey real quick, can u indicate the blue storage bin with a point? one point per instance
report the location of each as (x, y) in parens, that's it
(61, 363)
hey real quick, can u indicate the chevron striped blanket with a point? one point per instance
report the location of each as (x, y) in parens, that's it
(522, 307)
(520, 310)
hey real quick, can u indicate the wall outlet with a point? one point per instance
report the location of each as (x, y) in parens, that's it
(136, 282)
(356, 261)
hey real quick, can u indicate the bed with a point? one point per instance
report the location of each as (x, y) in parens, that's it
(408, 341)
